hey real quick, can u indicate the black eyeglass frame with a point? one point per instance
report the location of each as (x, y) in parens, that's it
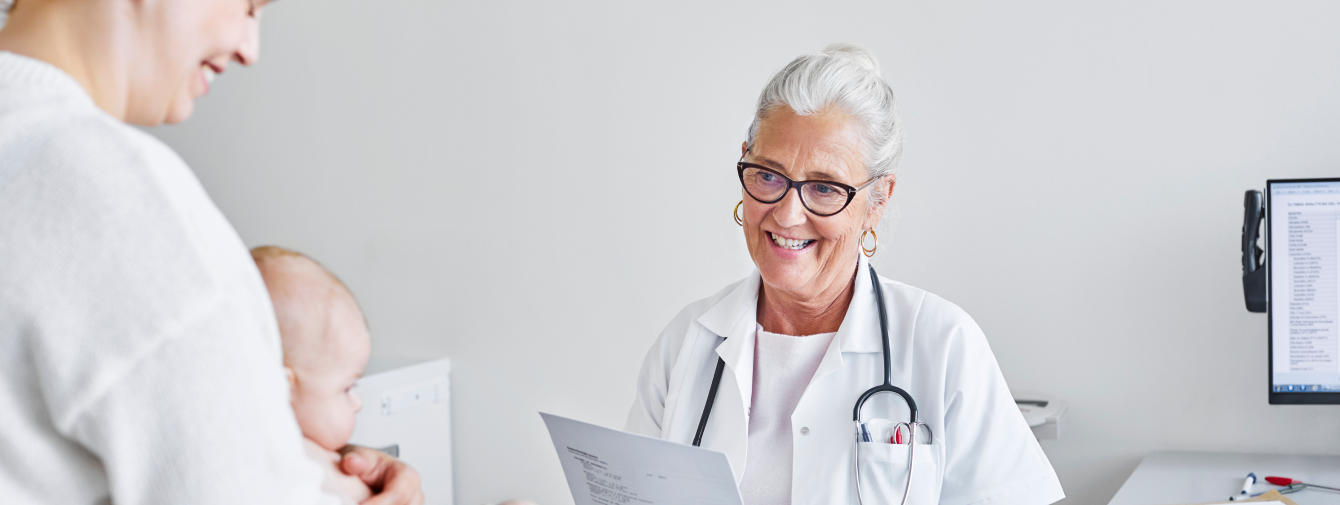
(851, 191)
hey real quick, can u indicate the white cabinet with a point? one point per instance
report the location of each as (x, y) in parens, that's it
(407, 412)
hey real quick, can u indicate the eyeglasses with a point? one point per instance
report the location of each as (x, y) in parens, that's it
(823, 198)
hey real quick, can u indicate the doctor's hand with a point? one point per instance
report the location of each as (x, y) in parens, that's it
(391, 480)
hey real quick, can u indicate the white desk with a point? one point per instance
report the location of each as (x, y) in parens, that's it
(1165, 478)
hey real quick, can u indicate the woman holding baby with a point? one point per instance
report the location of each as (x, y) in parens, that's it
(139, 352)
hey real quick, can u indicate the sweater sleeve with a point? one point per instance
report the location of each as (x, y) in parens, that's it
(200, 419)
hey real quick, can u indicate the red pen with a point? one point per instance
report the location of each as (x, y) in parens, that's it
(1286, 481)
(897, 435)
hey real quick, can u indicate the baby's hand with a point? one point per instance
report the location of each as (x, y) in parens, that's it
(350, 489)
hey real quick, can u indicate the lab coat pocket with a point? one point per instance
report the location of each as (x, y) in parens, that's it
(883, 473)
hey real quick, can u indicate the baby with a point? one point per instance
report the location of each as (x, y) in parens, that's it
(326, 346)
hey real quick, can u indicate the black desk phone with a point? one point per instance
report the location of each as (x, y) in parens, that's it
(1253, 257)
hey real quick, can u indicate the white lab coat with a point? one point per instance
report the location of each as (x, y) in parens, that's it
(982, 451)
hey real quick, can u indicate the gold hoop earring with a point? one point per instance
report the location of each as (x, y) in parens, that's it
(871, 251)
(736, 214)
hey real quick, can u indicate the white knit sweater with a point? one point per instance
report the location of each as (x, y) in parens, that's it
(139, 356)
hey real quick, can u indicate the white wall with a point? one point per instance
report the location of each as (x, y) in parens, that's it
(535, 188)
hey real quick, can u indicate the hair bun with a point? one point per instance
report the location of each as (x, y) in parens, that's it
(856, 53)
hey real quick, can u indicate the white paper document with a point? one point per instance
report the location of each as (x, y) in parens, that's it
(611, 467)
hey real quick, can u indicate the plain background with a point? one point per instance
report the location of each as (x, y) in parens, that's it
(534, 189)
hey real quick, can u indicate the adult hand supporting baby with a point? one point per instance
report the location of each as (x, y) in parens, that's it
(392, 481)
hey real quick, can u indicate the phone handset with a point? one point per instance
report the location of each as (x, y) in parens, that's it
(1253, 258)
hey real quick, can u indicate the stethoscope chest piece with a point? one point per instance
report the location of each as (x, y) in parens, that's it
(914, 437)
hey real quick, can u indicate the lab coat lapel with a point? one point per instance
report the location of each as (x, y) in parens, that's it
(859, 331)
(734, 318)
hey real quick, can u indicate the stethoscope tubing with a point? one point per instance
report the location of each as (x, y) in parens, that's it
(711, 399)
(886, 387)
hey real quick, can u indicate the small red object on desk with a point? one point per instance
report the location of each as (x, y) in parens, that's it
(1295, 483)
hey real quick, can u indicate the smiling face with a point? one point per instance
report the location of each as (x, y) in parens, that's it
(182, 45)
(797, 252)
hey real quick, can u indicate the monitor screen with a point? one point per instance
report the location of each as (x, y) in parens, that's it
(1303, 249)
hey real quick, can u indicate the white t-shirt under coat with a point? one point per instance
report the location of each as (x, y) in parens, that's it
(783, 367)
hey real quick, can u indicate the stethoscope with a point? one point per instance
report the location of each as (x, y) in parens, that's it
(912, 426)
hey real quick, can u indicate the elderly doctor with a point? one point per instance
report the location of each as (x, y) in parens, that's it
(794, 345)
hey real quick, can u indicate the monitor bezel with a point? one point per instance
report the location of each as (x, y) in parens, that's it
(1284, 398)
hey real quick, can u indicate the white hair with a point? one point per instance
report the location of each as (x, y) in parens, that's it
(5, 6)
(846, 76)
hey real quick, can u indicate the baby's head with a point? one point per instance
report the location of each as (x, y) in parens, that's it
(326, 342)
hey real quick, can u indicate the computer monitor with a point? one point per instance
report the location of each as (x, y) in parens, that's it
(1303, 252)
